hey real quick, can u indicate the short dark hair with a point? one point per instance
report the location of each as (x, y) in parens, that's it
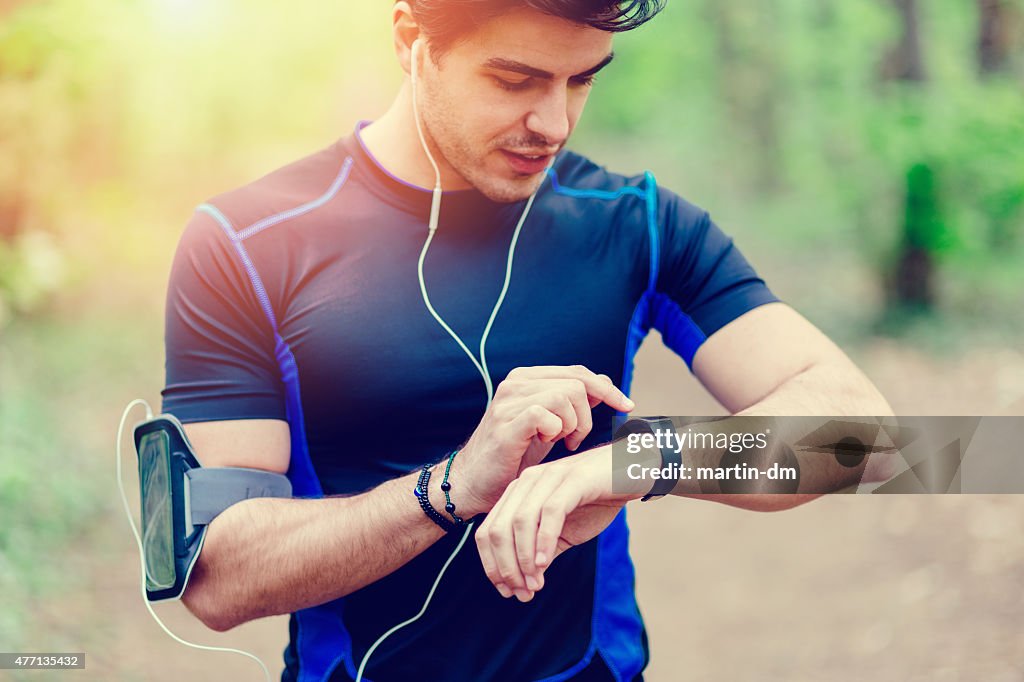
(444, 21)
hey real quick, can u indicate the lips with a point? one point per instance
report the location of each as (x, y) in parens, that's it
(527, 164)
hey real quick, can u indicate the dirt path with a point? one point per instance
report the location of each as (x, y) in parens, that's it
(847, 588)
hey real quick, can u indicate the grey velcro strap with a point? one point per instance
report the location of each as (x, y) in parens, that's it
(214, 489)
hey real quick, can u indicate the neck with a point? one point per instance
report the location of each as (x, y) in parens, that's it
(394, 142)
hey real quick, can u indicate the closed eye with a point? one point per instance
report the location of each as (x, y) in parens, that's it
(512, 85)
(579, 81)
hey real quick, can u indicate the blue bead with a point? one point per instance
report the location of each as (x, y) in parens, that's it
(446, 486)
(449, 507)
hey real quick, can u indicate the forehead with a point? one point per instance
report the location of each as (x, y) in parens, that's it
(530, 37)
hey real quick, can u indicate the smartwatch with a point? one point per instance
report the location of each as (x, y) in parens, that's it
(669, 457)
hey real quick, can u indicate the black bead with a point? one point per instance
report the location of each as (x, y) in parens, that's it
(449, 507)
(446, 486)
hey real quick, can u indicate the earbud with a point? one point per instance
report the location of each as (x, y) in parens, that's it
(435, 204)
(415, 60)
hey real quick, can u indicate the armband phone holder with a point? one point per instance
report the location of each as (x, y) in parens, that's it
(180, 498)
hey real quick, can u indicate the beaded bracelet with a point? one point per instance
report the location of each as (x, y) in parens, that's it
(446, 489)
(420, 491)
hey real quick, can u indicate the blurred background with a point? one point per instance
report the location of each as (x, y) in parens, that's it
(866, 155)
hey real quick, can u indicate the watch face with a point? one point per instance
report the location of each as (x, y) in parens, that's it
(635, 425)
(157, 519)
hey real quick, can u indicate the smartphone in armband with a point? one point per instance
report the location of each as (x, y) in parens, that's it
(180, 498)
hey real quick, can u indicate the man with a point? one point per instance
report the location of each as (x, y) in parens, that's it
(300, 340)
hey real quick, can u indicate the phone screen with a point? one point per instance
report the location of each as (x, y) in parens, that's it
(157, 520)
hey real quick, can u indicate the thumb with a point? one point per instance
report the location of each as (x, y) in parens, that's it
(535, 453)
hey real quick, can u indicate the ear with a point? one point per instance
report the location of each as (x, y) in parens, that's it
(404, 32)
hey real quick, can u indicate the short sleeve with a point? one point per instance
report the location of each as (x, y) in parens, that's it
(219, 344)
(703, 282)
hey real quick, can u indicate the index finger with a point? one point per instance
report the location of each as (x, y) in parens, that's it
(599, 387)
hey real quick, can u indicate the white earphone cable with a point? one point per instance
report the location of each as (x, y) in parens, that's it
(142, 556)
(481, 365)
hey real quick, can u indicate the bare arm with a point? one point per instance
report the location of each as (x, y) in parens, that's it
(263, 557)
(772, 361)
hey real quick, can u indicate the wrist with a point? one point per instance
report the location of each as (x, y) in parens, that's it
(634, 474)
(467, 504)
(606, 482)
(434, 493)
(423, 491)
(459, 494)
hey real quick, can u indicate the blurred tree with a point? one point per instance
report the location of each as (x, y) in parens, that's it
(905, 61)
(994, 36)
(749, 79)
(911, 284)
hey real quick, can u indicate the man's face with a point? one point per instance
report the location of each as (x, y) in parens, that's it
(505, 99)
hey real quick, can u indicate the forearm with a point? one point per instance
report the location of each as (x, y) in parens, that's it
(834, 388)
(265, 557)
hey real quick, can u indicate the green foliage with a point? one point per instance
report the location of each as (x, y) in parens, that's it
(781, 112)
(31, 268)
(772, 110)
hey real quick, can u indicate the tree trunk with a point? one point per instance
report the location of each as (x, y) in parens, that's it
(994, 36)
(913, 278)
(911, 281)
(905, 61)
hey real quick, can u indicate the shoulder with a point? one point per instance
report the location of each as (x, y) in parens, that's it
(215, 246)
(577, 176)
(666, 214)
(287, 192)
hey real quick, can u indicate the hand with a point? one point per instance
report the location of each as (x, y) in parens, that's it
(532, 409)
(548, 509)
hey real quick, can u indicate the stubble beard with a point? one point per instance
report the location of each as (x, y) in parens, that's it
(446, 137)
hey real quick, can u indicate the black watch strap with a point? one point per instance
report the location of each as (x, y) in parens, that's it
(669, 457)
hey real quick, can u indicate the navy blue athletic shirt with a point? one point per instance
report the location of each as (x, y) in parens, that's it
(296, 297)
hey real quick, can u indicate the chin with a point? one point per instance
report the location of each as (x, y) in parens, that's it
(508, 191)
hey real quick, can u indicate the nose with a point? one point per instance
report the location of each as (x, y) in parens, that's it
(549, 118)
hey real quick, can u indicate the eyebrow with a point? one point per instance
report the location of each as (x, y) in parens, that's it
(527, 70)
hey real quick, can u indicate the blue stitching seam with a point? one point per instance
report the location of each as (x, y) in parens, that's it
(334, 666)
(652, 228)
(590, 193)
(261, 225)
(254, 276)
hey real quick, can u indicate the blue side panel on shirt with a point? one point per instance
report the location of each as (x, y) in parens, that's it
(321, 629)
(678, 331)
(616, 626)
